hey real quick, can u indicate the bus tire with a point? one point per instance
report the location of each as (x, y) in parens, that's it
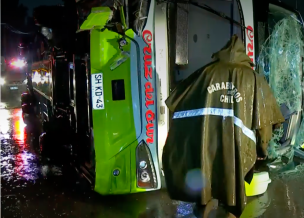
(46, 140)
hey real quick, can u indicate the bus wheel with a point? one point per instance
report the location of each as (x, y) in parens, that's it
(83, 184)
(45, 145)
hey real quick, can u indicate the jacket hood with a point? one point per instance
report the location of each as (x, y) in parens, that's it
(234, 52)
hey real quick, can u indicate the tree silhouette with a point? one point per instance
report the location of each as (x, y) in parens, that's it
(13, 14)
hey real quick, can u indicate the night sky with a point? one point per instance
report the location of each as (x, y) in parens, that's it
(31, 4)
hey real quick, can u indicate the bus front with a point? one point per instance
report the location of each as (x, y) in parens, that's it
(123, 99)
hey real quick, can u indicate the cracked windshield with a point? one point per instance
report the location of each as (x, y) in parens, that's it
(152, 109)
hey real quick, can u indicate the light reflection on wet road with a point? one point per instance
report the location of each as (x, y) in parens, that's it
(17, 160)
(30, 189)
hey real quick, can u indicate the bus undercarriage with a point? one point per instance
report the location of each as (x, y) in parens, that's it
(99, 79)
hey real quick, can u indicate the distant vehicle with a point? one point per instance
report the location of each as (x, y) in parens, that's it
(13, 79)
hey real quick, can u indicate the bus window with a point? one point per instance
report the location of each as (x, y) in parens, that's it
(280, 46)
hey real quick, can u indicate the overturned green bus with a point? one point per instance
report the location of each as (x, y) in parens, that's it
(101, 78)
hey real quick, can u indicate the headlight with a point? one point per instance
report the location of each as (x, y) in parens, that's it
(18, 63)
(146, 176)
(2, 81)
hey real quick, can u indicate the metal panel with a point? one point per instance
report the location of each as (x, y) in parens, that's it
(182, 34)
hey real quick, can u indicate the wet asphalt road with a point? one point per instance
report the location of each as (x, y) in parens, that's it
(32, 189)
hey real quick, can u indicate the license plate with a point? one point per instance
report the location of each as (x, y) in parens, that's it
(13, 88)
(97, 91)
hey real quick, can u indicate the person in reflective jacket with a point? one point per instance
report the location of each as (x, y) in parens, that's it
(224, 114)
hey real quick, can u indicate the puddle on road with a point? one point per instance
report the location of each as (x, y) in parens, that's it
(184, 209)
(257, 206)
(19, 161)
(292, 170)
(295, 172)
(51, 170)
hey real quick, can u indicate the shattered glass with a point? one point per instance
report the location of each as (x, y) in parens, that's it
(140, 10)
(280, 60)
(300, 136)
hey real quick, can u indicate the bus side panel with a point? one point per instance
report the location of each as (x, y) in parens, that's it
(161, 53)
(149, 116)
(247, 8)
(207, 38)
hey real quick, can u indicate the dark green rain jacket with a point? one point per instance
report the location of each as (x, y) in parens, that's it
(223, 117)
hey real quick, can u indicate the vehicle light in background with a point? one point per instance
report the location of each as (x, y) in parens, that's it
(36, 77)
(2, 81)
(2, 105)
(18, 63)
(146, 176)
(5, 116)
